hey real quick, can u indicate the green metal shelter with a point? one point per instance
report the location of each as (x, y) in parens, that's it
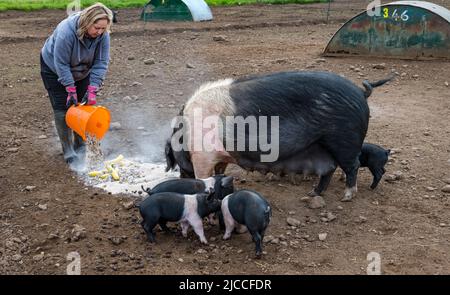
(176, 10)
(402, 29)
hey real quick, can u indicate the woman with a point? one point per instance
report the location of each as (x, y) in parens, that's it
(74, 61)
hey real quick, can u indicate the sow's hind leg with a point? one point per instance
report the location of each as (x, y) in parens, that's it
(350, 182)
(346, 153)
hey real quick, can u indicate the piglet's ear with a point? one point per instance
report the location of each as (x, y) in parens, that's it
(227, 181)
(388, 152)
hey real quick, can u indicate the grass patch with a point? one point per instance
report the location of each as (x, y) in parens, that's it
(28, 5)
(243, 2)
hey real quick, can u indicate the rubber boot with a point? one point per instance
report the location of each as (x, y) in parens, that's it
(65, 137)
(79, 146)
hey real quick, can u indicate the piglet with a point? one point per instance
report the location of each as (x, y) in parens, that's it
(374, 157)
(221, 184)
(187, 209)
(246, 208)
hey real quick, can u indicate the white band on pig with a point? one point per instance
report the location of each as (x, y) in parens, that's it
(215, 94)
(190, 215)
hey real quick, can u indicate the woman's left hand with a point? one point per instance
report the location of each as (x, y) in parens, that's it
(90, 97)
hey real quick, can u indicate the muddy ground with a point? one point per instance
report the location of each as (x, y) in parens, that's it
(406, 221)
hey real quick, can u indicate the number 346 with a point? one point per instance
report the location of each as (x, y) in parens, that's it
(403, 16)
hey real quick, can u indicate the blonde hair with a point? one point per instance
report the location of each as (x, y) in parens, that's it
(91, 15)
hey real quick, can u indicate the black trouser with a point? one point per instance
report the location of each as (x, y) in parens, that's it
(72, 143)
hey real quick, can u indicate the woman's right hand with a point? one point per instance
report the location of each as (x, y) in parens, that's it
(71, 96)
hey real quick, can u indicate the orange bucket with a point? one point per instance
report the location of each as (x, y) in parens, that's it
(87, 119)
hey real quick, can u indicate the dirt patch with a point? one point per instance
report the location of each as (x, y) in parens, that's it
(44, 207)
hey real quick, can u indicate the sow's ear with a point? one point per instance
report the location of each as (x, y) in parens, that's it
(388, 152)
(170, 159)
(227, 181)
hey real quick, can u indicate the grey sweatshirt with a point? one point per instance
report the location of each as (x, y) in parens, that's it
(73, 59)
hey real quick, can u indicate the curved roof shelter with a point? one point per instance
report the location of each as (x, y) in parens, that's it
(176, 10)
(402, 29)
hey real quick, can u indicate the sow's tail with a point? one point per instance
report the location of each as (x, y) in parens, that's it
(369, 86)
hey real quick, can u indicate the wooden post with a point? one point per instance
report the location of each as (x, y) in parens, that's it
(328, 11)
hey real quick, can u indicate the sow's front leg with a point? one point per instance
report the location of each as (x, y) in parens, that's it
(203, 164)
(323, 185)
(346, 153)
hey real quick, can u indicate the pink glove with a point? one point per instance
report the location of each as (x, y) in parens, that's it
(90, 97)
(71, 96)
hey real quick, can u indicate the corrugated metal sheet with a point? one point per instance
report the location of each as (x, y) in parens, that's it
(199, 9)
(404, 29)
(439, 10)
(176, 10)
